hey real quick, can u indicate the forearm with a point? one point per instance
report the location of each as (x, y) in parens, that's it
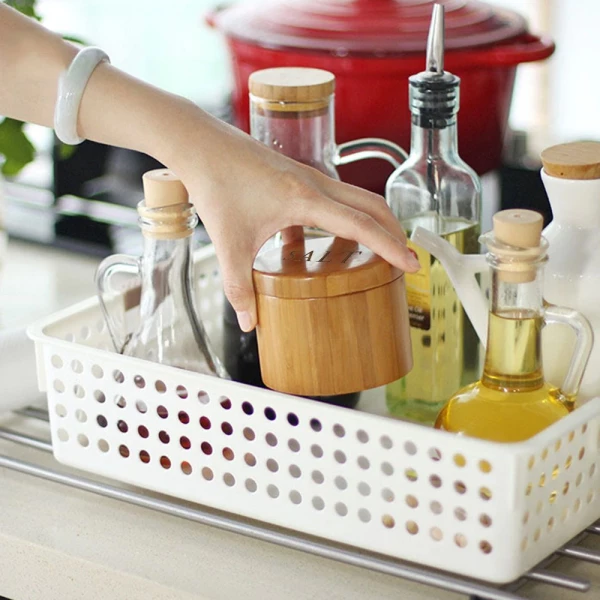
(116, 109)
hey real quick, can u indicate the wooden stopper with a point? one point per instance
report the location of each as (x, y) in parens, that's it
(163, 188)
(521, 229)
(576, 160)
(292, 89)
(165, 212)
(332, 318)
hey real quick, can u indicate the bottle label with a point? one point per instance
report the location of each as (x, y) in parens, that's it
(418, 290)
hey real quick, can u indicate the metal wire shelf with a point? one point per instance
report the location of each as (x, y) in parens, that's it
(475, 590)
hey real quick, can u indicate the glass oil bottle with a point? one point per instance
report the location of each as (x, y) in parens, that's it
(512, 401)
(436, 190)
(169, 331)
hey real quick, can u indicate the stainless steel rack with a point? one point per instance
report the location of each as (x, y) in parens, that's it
(473, 589)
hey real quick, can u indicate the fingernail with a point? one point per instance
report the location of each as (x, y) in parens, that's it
(245, 321)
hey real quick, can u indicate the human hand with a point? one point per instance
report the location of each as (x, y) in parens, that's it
(245, 193)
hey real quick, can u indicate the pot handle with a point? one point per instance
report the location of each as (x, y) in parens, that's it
(527, 48)
(364, 148)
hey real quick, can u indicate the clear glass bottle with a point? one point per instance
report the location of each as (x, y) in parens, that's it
(512, 401)
(436, 190)
(169, 331)
(292, 111)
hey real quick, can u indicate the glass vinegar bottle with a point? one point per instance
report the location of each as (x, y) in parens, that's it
(435, 189)
(169, 330)
(512, 401)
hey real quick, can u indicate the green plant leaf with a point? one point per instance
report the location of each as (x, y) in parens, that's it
(18, 151)
(27, 7)
(65, 151)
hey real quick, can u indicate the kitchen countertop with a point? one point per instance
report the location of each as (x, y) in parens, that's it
(58, 543)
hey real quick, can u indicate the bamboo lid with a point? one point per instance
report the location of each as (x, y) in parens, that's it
(576, 160)
(163, 188)
(319, 268)
(292, 88)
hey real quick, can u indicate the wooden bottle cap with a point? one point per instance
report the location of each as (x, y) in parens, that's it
(319, 268)
(165, 212)
(521, 229)
(576, 160)
(163, 188)
(292, 88)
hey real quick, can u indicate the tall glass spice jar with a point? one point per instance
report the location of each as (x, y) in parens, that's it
(436, 190)
(292, 112)
(169, 331)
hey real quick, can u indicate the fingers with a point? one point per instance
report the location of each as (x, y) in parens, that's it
(367, 202)
(236, 272)
(345, 221)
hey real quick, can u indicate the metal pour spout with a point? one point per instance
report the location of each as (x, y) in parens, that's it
(435, 41)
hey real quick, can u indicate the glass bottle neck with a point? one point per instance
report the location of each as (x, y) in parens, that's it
(307, 136)
(435, 143)
(513, 361)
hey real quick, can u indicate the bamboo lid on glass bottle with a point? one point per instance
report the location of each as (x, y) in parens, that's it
(332, 318)
(292, 89)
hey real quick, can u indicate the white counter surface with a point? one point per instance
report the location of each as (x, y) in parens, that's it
(57, 543)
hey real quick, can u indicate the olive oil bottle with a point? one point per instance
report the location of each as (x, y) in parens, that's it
(436, 190)
(512, 401)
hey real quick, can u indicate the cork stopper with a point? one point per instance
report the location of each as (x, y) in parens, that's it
(576, 160)
(163, 188)
(166, 212)
(292, 88)
(521, 230)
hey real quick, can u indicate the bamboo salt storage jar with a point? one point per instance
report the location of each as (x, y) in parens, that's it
(332, 318)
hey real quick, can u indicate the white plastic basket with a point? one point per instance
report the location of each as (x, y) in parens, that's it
(482, 509)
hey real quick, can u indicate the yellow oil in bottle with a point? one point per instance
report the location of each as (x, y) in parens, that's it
(511, 402)
(444, 344)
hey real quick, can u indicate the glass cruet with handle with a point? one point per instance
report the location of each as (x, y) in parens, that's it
(169, 331)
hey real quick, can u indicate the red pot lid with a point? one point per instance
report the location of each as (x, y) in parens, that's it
(379, 27)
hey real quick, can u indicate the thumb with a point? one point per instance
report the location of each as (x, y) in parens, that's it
(239, 290)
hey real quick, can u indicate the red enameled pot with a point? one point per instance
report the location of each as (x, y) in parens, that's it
(372, 47)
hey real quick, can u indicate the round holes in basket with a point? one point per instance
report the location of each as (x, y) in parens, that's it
(315, 425)
(141, 407)
(247, 408)
(207, 473)
(226, 428)
(118, 376)
(386, 442)
(485, 547)
(341, 509)
(162, 411)
(316, 451)
(388, 495)
(250, 459)
(60, 410)
(225, 402)
(410, 474)
(485, 520)
(410, 448)
(206, 448)
(364, 515)
(83, 440)
(410, 500)
(182, 393)
(295, 497)
(411, 527)
(485, 493)
(435, 507)
(103, 445)
(273, 466)
(460, 487)
(484, 466)
(434, 454)
(97, 371)
(317, 476)
(144, 456)
(364, 489)
(186, 468)
(270, 414)
(436, 534)
(183, 417)
(271, 439)
(293, 419)
(58, 386)
(164, 437)
(143, 431)
(294, 445)
(362, 436)
(139, 382)
(185, 442)
(459, 460)
(340, 483)
(249, 434)
(460, 540)
(203, 397)
(339, 430)
(318, 503)
(460, 513)
(251, 485)
(101, 420)
(165, 462)
(79, 391)
(56, 361)
(387, 468)
(160, 386)
(435, 481)
(339, 456)
(124, 451)
(205, 423)
(363, 462)
(273, 491)
(76, 366)
(295, 471)
(122, 426)
(120, 401)
(228, 453)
